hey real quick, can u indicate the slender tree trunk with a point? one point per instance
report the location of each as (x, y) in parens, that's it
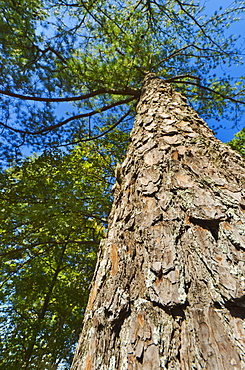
(169, 290)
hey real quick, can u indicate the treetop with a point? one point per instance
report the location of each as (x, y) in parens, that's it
(71, 70)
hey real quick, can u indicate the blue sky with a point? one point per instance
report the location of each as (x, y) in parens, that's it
(237, 28)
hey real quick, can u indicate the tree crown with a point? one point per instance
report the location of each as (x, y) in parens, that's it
(94, 55)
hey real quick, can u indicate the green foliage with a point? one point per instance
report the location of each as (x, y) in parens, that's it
(71, 72)
(238, 142)
(54, 209)
(65, 49)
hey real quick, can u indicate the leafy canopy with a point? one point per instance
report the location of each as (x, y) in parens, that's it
(53, 213)
(89, 58)
(238, 142)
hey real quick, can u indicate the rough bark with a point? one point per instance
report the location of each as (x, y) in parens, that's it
(168, 290)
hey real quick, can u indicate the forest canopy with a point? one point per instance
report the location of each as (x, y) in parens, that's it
(71, 76)
(72, 70)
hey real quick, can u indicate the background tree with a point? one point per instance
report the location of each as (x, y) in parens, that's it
(54, 211)
(238, 143)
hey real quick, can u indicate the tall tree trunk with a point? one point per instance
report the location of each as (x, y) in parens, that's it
(169, 287)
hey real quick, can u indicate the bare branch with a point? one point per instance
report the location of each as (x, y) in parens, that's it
(103, 90)
(62, 123)
(172, 79)
(226, 97)
(199, 26)
(100, 135)
(179, 52)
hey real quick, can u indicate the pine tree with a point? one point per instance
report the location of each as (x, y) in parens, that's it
(168, 290)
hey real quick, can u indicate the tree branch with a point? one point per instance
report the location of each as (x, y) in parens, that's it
(226, 97)
(172, 79)
(100, 135)
(103, 90)
(179, 52)
(62, 123)
(200, 26)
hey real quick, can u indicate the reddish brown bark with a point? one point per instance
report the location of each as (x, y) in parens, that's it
(168, 290)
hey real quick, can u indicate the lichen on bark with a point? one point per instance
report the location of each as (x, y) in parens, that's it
(168, 290)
